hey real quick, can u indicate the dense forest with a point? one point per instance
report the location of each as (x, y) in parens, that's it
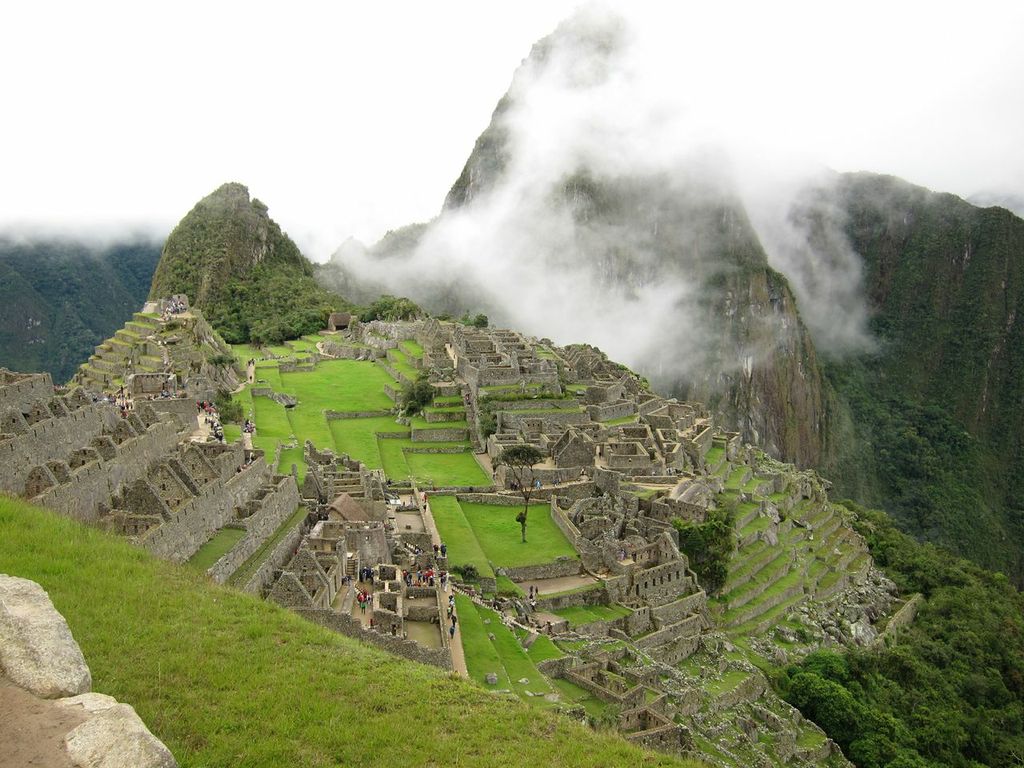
(949, 691)
(62, 297)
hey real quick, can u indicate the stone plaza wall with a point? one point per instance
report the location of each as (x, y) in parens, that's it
(277, 558)
(20, 393)
(49, 440)
(182, 408)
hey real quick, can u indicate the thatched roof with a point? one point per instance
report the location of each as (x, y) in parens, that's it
(346, 508)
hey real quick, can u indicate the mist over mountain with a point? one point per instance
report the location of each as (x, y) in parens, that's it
(814, 311)
(61, 296)
(582, 215)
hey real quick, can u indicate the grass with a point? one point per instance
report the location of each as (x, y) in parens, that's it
(457, 533)
(411, 348)
(573, 694)
(400, 362)
(212, 551)
(727, 682)
(618, 422)
(585, 614)
(498, 532)
(227, 679)
(508, 587)
(503, 655)
(341, 385)
(358, 437)
(447, 469)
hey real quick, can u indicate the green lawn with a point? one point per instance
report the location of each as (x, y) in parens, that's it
(412, 348)
(224, 678)
(457, 533)
(358, 438)
(447, 469)
(401, 363)
(341, 385)
(584, 614)
(215, 548)
(498, 532)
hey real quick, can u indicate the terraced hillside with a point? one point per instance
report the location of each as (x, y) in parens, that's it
(183, 344)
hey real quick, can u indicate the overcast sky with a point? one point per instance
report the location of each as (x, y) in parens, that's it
(355, 118)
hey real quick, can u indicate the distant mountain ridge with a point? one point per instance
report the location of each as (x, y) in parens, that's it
(60, 297)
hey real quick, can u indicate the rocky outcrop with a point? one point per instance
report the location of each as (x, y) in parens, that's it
(112, 736)
(37, 651)
(42, 659)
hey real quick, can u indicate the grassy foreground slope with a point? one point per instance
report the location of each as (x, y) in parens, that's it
(226, 679)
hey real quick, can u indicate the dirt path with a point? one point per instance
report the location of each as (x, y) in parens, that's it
(33, 729)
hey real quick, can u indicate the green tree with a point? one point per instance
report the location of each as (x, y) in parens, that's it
(418, 395)
(519, 461)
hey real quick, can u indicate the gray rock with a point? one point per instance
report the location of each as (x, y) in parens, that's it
(37, 651)
(491, 678)
(113, 736)
(524, 681)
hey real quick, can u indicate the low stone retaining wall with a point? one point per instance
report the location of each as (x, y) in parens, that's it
(563, 566)
(409, 649)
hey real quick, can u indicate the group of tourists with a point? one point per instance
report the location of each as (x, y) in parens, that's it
(441, 550)
(211, 418)
(173, 307)
(249, 427)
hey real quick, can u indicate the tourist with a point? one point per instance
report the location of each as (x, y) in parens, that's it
(451, 631)
(444, 549)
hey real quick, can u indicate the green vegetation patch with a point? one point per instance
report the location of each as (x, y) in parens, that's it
(458, 535)
(447, 469)
(585, 614)
(346, 386)
(358, 437)
(412, 348)
(213, 550)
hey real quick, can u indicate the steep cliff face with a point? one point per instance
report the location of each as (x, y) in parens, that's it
(235, 264)
(939, 408)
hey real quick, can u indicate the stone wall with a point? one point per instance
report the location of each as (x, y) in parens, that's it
(274, 509)
(96, 483)
(440, 434)
(563, 566)
(331, 415)
(182, 408)
(276, 559)
(195, 522)
(611, 411)
(49, 440)
(346, 625)
(20, 391)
